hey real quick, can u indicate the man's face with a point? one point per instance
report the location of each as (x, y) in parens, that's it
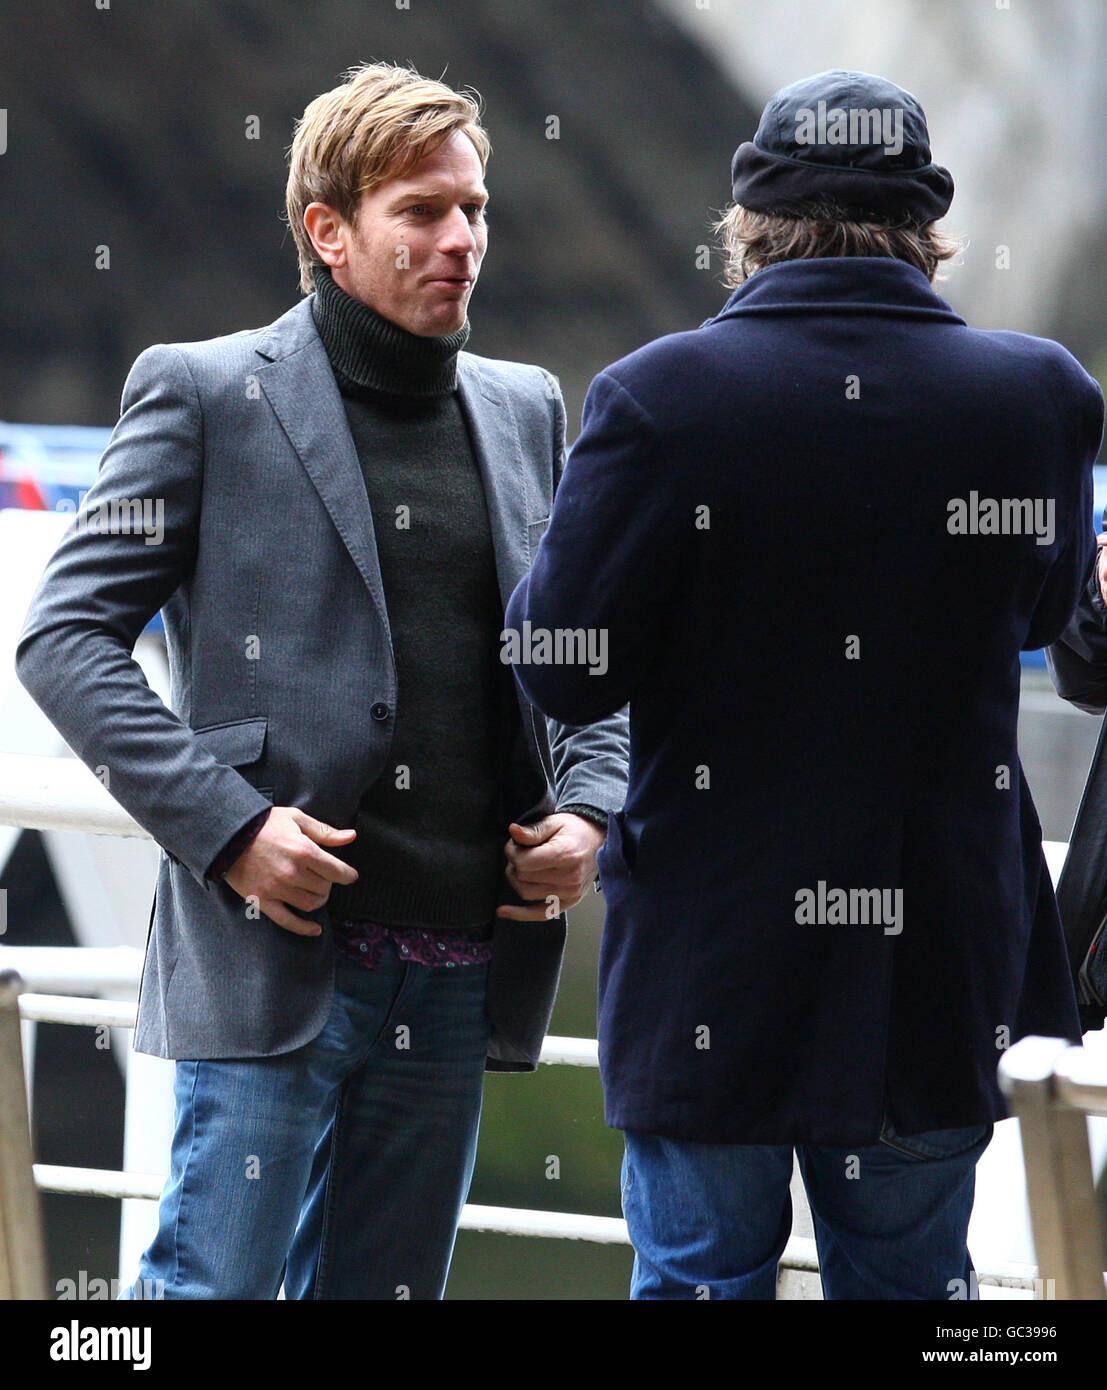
(416, 251)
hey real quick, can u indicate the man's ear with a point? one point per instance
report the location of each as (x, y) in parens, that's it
(328, 233)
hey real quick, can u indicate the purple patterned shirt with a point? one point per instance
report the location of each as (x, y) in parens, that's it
(365, 942)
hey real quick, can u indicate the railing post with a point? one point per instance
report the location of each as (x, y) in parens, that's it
(1064, 1213)
(22, 1256)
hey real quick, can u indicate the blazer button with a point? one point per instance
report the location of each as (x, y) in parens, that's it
(379, 710)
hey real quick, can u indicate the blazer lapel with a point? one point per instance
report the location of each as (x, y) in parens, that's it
(508, 495)
(503, 471)
(301, 388)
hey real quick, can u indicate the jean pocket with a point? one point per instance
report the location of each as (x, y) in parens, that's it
(936, 1143)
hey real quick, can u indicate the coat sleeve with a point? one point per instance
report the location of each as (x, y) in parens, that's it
(1077, 661)
(101, 587)
(1067, 579)
(590, 762)
(606, 569)
(1071, 615)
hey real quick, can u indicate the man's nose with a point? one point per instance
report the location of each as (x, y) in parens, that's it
(457, 235)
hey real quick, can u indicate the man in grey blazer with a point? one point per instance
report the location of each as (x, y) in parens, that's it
(370, 837)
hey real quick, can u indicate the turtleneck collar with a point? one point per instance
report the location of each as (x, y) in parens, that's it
(368, 352)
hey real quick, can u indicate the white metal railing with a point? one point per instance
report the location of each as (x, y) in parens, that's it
(77, 969)
(94, 1182)
(116, 1013)
(1053, 1087)
(22, 1252)
(800, 1253)
(61, 794)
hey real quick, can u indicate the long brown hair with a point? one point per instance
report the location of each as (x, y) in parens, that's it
(753, 240)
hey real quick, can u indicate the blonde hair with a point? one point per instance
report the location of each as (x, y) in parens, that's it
(379, 123)
(753, 240)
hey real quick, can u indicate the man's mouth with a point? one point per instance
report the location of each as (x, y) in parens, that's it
(450, 289)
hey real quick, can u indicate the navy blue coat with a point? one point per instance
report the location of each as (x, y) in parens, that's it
(823, 679)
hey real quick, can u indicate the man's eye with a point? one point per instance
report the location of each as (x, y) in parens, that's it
(419, 207)
(477, 210)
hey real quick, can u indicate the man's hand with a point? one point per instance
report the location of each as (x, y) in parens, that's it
(1101, 565)
(556, 858)
(284, 867)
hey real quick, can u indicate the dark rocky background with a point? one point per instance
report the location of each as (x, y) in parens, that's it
(126, 128)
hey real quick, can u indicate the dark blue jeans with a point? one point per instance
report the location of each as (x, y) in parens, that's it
(342, 1166)
(712, 1220)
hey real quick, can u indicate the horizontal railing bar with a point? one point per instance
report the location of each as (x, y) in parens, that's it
(106, 1182)
(570, 1052)
(74, 969)
(97, 1182)
(39, 793)
(114, 1013)
(61, 793)
(65, 1008)
(799, 1254)
(556, 1225)
(1078, 1093)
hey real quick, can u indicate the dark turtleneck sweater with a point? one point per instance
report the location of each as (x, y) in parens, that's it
(431, 829)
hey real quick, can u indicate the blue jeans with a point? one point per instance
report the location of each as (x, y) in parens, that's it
(712, 1220)
(342, 1166)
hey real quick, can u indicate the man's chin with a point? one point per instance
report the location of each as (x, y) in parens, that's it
(441, 325)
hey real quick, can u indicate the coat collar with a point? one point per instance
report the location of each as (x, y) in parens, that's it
(840, 285)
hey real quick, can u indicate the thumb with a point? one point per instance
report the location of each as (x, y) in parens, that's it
(320, 831)
(530, 834)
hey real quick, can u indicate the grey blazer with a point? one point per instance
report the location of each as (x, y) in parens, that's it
(283, 682)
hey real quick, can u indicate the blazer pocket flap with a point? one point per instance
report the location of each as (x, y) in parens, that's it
(238, 743)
